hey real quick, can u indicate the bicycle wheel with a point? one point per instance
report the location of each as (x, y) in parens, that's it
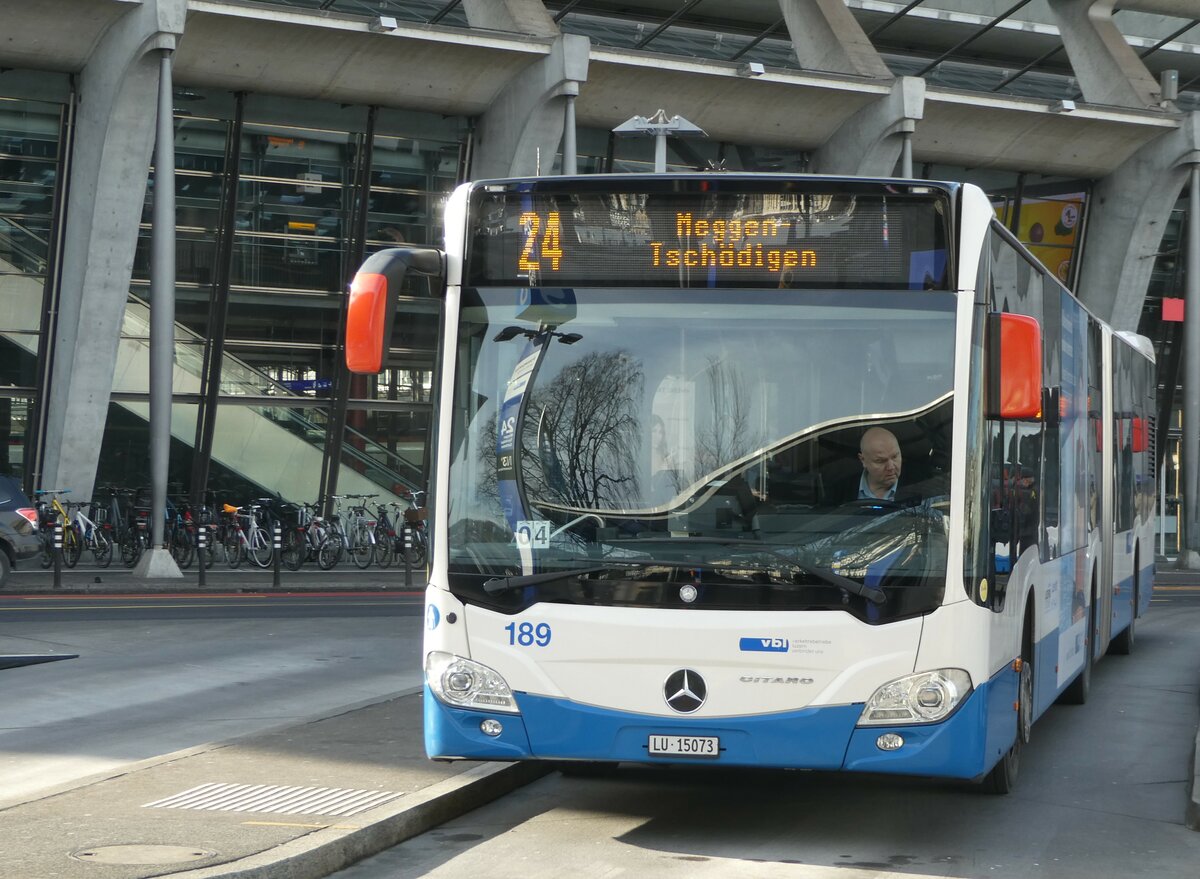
(414, 554)
(131, 547)
(362, 549)
(330, 552)
(262, 547)
(182, 549)
(384, 552)
(46, 559)
(233, 548)
(295, 548)
(72, 546)
(102, 548)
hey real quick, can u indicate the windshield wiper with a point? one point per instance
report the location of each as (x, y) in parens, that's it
(496, 585)
(870, 593)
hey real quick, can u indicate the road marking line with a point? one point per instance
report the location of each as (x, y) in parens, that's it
(293, 824)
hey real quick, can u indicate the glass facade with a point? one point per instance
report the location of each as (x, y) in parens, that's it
(30, 153)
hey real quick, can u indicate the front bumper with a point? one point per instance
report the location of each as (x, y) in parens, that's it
(965, 745)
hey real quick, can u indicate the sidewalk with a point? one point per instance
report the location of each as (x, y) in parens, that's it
(301, 801)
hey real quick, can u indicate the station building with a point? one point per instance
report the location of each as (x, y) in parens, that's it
(308, 133)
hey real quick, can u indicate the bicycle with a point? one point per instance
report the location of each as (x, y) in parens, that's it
(52, 513)
(93, 536)
(385, 536)
(358, 540)
(362, 532)
(417, 549)
(253, 542)
(302, 539)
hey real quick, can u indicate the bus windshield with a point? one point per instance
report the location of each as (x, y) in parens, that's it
(664, 438)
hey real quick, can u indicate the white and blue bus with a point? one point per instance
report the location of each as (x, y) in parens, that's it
(654, 536)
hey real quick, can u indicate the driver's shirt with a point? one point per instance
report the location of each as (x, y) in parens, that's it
(865, 493)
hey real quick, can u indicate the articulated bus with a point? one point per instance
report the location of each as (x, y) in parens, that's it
(763, 470)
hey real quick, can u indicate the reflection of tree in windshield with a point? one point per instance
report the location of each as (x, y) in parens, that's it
(731, 434)
(581, 435)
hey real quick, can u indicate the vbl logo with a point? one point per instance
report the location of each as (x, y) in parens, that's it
(764, 645)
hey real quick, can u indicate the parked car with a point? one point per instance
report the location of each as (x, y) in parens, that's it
(18, 527)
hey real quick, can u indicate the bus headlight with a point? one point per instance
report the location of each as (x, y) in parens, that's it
(921, 698)
(463, 683)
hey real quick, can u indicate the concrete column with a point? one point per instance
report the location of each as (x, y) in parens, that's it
(516, 16)
(1127, 214)
(110, 162)
(1107, 68)
(570, 151)
(827, 37)
(520, 133)
(1189, 557)
(872, 140)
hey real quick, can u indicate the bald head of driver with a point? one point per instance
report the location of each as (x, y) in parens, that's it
(880, 455)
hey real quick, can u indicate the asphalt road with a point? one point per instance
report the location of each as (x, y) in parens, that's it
(157, 674)
(1102, 793)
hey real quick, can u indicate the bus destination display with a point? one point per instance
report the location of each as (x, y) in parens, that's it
(706, 239)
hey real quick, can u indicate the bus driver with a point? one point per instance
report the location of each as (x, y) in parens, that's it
(879, 453)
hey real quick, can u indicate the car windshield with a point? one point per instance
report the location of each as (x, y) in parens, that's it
(719, 437)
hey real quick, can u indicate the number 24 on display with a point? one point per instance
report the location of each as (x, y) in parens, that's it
(527, 634)
(551, 249)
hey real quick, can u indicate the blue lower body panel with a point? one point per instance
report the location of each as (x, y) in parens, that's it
(965, 745)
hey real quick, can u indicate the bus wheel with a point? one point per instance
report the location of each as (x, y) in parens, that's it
(1003, 777)
(1122, 644)
(1077, 691)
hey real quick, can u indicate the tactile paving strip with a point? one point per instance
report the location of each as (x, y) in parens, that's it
(275, 799)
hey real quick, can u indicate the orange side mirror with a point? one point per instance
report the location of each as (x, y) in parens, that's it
(1014, 367)
(374, 294)
(366, 322)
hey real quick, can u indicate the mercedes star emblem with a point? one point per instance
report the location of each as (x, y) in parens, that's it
(685, 691)
(687, 593)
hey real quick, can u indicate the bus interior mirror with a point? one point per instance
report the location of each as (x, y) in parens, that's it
(371, 311)
(1014, 367)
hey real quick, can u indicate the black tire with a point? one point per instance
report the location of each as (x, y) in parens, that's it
(233, 549)
(262, 547)
(5, 568)
(102, 548)
(131, 548)
(182, 549)
(294, 549)
(385, 550)
(1124, 642)
(1003, 777)
(72, 547)
(362, 549)
(330, 552)
(46, 557)
(415, 554)
(1078, 690)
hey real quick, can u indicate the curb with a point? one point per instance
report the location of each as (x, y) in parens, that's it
(1192, 816)
(326, 851)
